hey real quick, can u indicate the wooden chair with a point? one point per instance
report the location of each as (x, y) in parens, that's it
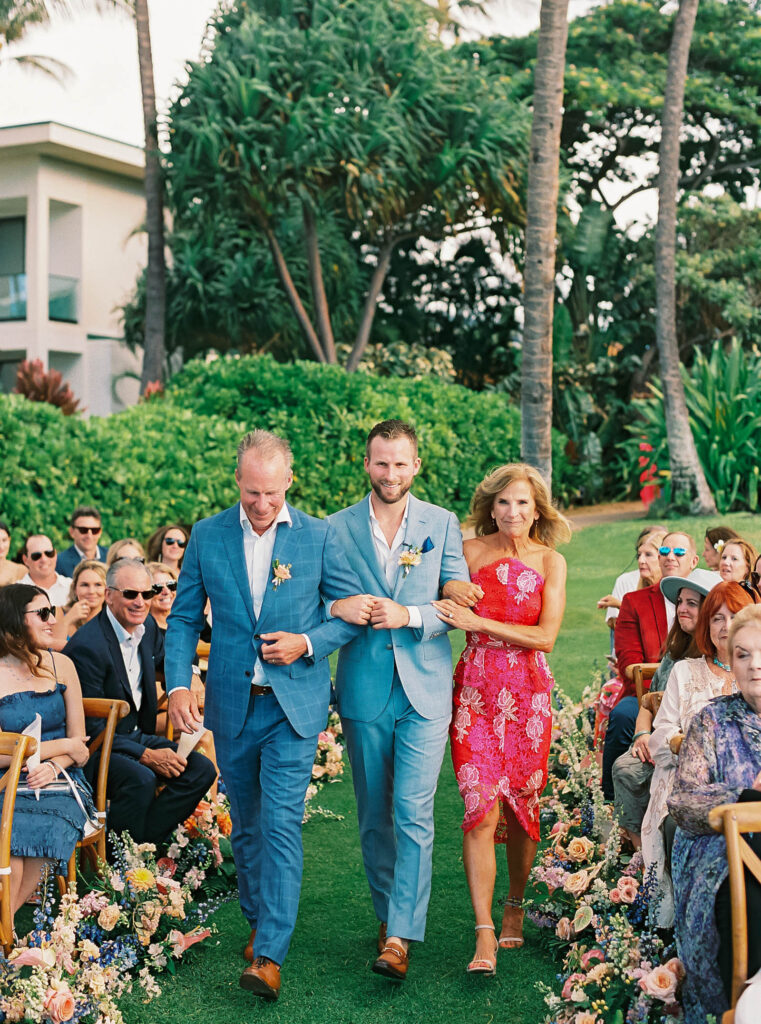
(652, 701)
(732, 820)
(642, 674)
(17, 748)
(94, 845)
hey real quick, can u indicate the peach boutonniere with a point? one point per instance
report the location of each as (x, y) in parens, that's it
(280, 573)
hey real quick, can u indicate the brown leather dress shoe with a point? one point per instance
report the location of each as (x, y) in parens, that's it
(248, 949)
(393, 962)
(381, 937)
(262, 978)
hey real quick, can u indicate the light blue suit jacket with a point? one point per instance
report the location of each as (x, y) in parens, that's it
(423, 657)
(214, 566)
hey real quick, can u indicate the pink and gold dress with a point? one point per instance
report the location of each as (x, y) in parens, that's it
(502, 723)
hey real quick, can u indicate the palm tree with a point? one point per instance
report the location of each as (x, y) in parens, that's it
(688, 483)
(17, 17)
(541, 224)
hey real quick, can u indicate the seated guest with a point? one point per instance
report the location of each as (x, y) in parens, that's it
(633, 770)
(47, 822)
(715, 539)
(168, 545)
(738, 560)
(84, 530)
(39, 556)
(116, 655)
(127, 547)
(641, 629)
(719, 763)
(164, 589)
(86, 596)
(10, 572)
(648, 571)
(692, 683)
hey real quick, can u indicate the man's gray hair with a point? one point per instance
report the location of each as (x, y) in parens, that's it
(265, 444)
(125, 563)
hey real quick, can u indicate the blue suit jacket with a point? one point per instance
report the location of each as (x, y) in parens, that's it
(214, 567)
(422, 657)
(69, 559)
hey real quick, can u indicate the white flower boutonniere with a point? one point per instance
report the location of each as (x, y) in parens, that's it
(280, 573)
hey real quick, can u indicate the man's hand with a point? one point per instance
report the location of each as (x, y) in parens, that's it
(466, 594)
(356, 609)
(164, 761)
(183, 710)
(283, 648)
(387, 614)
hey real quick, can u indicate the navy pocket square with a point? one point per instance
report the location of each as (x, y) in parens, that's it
(428, 545)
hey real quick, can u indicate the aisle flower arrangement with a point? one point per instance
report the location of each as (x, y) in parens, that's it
(328, 766)
(591, 900)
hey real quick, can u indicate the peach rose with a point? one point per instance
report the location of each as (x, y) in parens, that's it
(59, 1004)
(108, 917)
(615, 896)
(676, 967)
(660, 983)
(577, 883)
(628, 888)
(580, 849)
(585, 1017)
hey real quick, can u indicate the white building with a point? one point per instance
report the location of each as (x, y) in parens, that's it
(71, 209)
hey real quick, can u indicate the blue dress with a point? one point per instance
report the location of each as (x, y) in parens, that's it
(48, 827)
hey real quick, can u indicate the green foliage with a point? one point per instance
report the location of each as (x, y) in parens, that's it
(723, 393)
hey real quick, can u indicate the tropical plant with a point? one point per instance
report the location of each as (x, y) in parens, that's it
(17, 17)
(41, 385)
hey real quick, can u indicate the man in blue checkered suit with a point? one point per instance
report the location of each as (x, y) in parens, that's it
(394, 682)
(268, 571)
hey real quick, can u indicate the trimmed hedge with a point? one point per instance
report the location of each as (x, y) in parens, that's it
(173, 458)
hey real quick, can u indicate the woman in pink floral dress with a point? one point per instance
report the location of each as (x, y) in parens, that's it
(502, 723)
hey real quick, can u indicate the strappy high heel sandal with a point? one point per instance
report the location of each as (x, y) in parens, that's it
(484, 966)
(511, 941)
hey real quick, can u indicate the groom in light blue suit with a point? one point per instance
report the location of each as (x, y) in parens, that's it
(394, 681)
(267, 570)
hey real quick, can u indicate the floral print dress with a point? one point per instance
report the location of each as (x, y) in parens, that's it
(502, 723)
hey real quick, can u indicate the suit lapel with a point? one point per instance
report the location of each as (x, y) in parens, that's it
(659, 613)
(414, 536)
(285, 551)
(117, 660)
(359, 527)
(233, 540)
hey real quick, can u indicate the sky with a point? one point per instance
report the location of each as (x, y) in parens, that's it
(102, 93)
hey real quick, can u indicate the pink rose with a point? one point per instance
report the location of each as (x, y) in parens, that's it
(615, 896)
(59, 1004)
(593, 954)
(570, 984)
(676, 967)
(628, 887)
(166, 866)
(660, 983)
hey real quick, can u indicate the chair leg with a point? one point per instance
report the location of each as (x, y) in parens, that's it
(6, 923)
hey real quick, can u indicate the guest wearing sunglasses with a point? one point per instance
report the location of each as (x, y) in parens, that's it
(164, 589)
(168, 545)
(39, 556)
(116, 655)
(85, 530)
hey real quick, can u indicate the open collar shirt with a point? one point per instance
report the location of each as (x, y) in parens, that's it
(129, 645)
(388, 555)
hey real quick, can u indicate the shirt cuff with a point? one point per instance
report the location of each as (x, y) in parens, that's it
(416, 616)
(310, 649)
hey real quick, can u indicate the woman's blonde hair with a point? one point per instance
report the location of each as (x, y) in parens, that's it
(748, 616)
(551, 528)
(120, 545)
(748, 551)
(86, 565)
(654, 536)
(154, 567)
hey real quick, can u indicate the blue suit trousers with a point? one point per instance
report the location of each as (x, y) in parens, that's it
(266, 771)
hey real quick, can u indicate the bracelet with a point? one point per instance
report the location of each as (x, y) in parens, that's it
(642, 732)
(56, 767)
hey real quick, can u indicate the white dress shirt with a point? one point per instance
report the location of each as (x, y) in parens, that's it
(388, 555)
(58, 594)
(258, 549)
(128, 645)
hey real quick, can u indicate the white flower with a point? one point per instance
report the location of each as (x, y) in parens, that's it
(461, 723)
(526, 583)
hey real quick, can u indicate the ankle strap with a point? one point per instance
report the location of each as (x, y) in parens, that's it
(510, 901)
(486, 927)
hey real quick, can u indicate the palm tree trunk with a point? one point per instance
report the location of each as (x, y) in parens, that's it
(541, 225)
(154, 352)
(688, 484)
(319, 298)
(371, 304)
(292, 294)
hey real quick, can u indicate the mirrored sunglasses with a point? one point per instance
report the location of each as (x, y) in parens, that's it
(171, 541)
(677, 551)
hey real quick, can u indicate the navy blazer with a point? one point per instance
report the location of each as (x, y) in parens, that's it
(69, 559)
(98, 659)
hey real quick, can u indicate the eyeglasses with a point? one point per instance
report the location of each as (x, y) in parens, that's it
(171, 587)
(131, 595)
(37, 555)
(677, 551)
(171, 541)
(88, 529)
(44, 613)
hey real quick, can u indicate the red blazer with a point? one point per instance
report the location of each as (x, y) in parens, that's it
(641, 630)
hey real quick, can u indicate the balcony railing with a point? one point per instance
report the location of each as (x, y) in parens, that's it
(63, 298)
(12, 296)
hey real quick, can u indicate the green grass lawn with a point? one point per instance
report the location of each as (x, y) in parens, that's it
(327, 977)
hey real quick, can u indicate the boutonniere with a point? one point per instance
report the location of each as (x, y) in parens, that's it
(280, 573)
(411, 556)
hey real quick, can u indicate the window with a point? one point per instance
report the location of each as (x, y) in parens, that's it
(12, 267)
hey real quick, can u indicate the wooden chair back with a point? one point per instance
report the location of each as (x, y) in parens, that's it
(733, 820)
(111, 711)
(652, 701)
(17, 748)
(642, 674)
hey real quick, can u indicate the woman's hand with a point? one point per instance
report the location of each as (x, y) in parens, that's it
(455, 615)
(641, 749)
(462, 593)
(77, 614)
(43, 775)
(609, 601)
(78, 750)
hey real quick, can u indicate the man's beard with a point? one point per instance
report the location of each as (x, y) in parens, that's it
(389, 501)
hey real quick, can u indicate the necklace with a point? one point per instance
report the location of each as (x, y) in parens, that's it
(727, 668)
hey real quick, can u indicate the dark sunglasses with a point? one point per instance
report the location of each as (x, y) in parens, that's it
(131, 595)
(173, 540)
(44, 613)
(677, 551)
(88, 529)
(171, 587)
(37, 555)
